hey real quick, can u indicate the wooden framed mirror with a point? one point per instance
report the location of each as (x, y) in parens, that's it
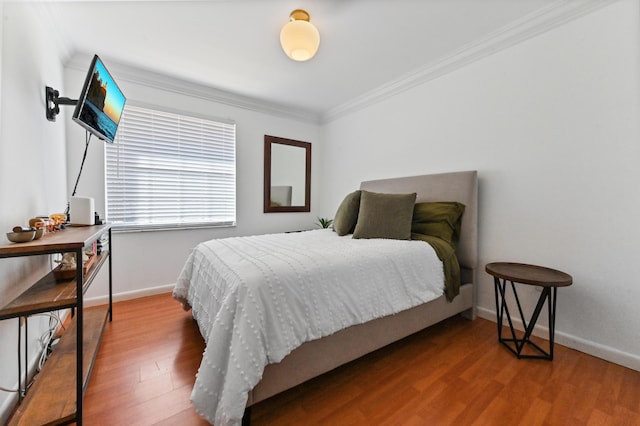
(287, 175)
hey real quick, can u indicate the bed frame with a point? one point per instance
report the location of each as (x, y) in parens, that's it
(304, 363)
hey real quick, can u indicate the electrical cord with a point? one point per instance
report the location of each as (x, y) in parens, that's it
(47, 341)
(84, 157)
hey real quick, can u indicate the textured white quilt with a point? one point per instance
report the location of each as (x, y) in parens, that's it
(257, 298)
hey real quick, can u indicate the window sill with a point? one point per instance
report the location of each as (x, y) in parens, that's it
(124, 229)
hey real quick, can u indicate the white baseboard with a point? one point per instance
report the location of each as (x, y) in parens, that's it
(128, 295)
(600, 351)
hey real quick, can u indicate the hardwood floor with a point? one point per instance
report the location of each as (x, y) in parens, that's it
(454, 373)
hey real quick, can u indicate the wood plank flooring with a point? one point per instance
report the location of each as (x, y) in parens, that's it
(454, 373)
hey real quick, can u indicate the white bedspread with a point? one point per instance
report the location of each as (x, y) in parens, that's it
(258, 298)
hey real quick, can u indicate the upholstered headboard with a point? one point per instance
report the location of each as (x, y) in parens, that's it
(456, 186)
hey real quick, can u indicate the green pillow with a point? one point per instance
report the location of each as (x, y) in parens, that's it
(439, 219)
(385, 216)
(347, 215)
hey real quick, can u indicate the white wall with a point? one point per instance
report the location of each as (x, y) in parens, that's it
(32, 162)
(143, 261)
(552, 126)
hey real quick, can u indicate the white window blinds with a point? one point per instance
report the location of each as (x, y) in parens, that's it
(166, 170)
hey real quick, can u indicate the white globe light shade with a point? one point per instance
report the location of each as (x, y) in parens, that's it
(300, 40)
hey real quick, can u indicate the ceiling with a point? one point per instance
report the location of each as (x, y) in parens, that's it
(233, 45)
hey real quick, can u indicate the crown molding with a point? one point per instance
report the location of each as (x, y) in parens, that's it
(529, 26)
(156, 80)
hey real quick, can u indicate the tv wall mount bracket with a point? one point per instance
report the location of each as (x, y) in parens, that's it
(53, 102)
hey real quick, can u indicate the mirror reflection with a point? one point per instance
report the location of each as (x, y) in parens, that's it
(287, 175)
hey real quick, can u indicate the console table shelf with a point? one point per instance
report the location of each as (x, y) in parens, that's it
(52, 398)
(56, 395)
(48, 294)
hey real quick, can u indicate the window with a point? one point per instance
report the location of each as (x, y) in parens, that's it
(167, 170)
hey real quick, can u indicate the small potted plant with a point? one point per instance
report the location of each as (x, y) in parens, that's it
(324, 223)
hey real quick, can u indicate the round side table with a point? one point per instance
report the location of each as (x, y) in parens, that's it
(549, 280)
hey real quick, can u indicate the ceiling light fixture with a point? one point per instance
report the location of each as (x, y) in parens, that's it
(299, 38)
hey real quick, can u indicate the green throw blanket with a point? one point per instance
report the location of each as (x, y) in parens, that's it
(447, 255)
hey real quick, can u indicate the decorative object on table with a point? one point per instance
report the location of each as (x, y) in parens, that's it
(58, 218)
(21, 235)
(37, 222)
(48, 224)
(66, 270)
(51, 223)
(324, 223)
(58, 221)
(38, 227)
(547, 278)
(39, 233)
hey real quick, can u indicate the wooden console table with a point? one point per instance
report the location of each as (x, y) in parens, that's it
(56, 397)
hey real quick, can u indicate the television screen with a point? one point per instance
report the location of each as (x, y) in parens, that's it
(101, 102)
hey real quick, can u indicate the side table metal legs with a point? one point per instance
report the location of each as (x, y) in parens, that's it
(514, 344)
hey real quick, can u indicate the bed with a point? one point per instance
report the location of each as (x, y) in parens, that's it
(234, 374)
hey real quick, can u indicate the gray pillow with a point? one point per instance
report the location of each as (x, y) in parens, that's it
(347, 215)
(385, 216)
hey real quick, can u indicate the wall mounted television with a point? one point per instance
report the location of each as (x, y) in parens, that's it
(100, 103)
